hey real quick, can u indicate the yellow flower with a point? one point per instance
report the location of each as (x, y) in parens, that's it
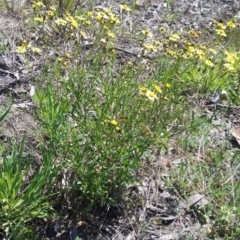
(231, 24)
(195, 33)
(200, 53)
(174, 38)
(228, 66)
(39, 19)
(137, 4)
(21, 49)
(60, 21)
(165, 98)
(151, 95)
(209, 63)
(74, 24)
(68, 56)
(125, 7)
(203, 47)
(129, 63)
(53, 8)
(36, 50)
(167, 85)
(80, 18)
(157, 88)
(83, 34)
(170, 51)
(89, 14)
(150, 47)
(143, 90)
(221, 26)
(98, 17)
(146, 33)
(163, 29)
(88, 22)
(191, 49)
(156, 43)
(37, 4)
(213, 51)
(50, 13)
(118, 128)
(111, 34)
(25, 43)
(221, 32)
(113, 122)
(231, 57)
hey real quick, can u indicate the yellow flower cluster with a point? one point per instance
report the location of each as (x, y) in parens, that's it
(221, 28)
(106, 17)
(151, 46)
(37, 4)
(152, 94)
(25, 46)
(230, 60)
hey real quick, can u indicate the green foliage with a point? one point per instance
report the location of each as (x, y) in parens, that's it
(4, 114)
(101, 127)
(22, 202)
(211, 177)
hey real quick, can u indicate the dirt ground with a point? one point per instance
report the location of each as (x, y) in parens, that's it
(151, 198)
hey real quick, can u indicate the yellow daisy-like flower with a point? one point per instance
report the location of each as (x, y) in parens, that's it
(143, 90)
(25, 43)
(231, 57)
(37, 4)
(53, 8)
(150, 47)
(221, 26)
(83, 34)
(146, 33)
(39, 19)
(163, 29)
(111, 34)
(209, 63)
(50, 13)
(221, 32)
(151, 95)
(36, 50)
(231, 24)
(213, 51)
(174, 38)
(89, 13)
(61, 22)
(125, 7)
(167, 85)
(118, 128)
(228, 66)
(21, 49)
(74, 24)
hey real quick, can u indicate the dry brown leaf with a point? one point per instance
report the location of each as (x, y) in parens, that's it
(236, 133)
